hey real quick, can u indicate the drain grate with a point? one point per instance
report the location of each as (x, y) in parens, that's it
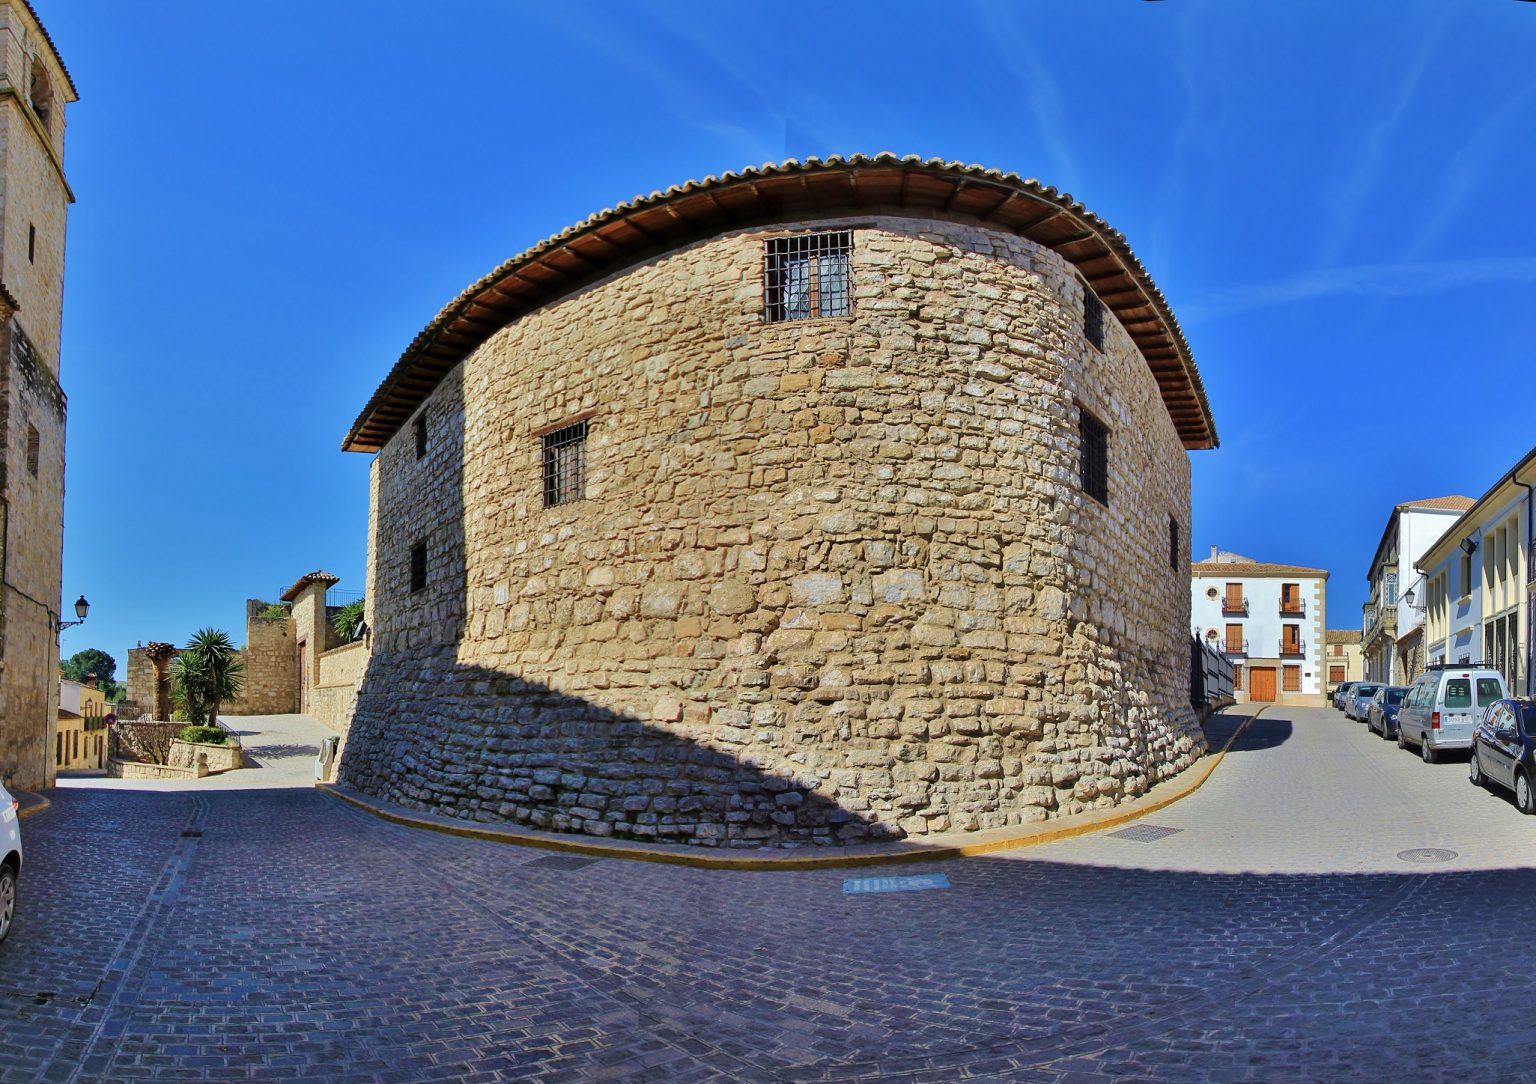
(561, 862)
(1426, 854)
(192, 833)
(1145, 833)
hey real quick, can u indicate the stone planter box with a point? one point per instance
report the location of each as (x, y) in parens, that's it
(137, 769)
(220, 758)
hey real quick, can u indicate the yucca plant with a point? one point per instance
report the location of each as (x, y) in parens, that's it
(348, 621)
(207, 673)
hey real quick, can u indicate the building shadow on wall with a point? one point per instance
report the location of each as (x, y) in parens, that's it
(436, 733)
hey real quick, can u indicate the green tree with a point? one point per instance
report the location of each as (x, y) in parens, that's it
(207, 673)
(93, 660)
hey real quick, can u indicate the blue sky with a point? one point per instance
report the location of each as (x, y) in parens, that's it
(1335, 199)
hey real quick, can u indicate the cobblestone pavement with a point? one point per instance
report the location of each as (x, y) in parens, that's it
(279, 934)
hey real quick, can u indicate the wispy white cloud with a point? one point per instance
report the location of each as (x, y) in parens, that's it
(1370, 280)
(1041, 94)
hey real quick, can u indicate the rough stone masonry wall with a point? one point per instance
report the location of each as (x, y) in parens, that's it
(833, 579)
(334, 696)
(33, 565)
(271, 666)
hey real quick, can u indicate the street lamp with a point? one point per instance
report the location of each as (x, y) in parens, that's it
(1408, 596)
(82, 608)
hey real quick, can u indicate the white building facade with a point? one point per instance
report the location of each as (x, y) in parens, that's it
(1270, 620)
(1480, 582)
(1392, 623)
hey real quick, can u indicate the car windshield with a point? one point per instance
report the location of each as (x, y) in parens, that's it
(1366, 690)
(1458, 693)
(1488, 691)
(1395, 696)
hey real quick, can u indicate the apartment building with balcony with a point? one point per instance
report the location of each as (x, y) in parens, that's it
(1392, 618)
(1270, 619)
(1341, 656)
(1480, 581)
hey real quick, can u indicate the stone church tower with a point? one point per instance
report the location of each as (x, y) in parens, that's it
(35, 88)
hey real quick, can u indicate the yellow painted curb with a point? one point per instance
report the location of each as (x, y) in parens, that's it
(43, 803)
(909, 852)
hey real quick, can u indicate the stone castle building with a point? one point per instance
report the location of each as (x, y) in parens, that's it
(295, 661)
(827, 501)
(34, 200)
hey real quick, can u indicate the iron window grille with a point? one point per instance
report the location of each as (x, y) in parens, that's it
(807, 276)
(1094, 453)
(565, 465)
(1093, 318)
(418, 566)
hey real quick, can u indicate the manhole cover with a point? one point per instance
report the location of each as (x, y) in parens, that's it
(561, 861)
(1426, 854)
(1145, 833)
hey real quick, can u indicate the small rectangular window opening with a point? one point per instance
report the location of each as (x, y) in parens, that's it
(1093, 318)
(31, 244)
(807, 276)
(418, 566)
(1094, 453)
(421, 435)
(34, 449)
(565, 465)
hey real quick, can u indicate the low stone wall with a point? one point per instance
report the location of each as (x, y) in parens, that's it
(137, 769)
(220, 758)
(333, 699)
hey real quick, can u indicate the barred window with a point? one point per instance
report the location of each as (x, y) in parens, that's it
(1094, 453)
(807, 276)
(1093, 318)
(565, 465)
(418, 566)
(1173, 544)
(421, 435)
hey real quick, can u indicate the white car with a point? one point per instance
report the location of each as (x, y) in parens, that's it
(10, 858)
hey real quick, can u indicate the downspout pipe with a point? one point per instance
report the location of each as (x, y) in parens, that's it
(1530, 574)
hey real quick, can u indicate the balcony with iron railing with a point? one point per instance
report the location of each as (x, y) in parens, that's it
(1293, 647)
(1236, 647)
(1231, 604)
(1293, 607)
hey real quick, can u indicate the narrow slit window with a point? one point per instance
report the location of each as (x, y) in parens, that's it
(1094, 454)
(418, 566)
(1093, 318)
(807, 276)
(34, 449)
(565, 465)
(31, 244)
(1173, 544)
(421, 435)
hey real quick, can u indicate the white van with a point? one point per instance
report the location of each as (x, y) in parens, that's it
(1445, 704)
(10, 859)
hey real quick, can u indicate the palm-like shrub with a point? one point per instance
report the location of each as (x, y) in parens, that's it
(348, 621)
(209, 672)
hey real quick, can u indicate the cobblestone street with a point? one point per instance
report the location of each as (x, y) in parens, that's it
(280, 934)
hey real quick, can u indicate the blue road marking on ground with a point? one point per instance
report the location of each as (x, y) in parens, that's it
(854, 886)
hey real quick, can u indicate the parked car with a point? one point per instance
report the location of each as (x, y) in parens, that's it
(1504, 750)
(1444, 705)
(1341, 692)
(1359, 697)
(10, 858)
(1381, 712)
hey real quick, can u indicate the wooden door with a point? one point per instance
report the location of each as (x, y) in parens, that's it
(1261, 683)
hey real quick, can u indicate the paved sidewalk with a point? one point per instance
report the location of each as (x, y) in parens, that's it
(280, 752)
(1306, 790)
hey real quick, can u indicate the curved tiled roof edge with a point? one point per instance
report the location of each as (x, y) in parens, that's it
(57, 56)
(502, 295)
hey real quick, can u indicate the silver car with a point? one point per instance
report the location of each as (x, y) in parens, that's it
(1359, 699)
(10, 858)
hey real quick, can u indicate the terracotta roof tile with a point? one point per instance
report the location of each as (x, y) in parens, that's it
(1252, 568)
(776, 192)
(1449, 504)
(307, 579)
(1343, 636)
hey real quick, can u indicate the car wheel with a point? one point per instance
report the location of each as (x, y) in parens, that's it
(1475, 772)
(1525, 801)
(7, 900)
(1402, 742)
(1425, 751)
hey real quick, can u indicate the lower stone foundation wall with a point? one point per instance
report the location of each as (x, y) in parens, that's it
(136, 769)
